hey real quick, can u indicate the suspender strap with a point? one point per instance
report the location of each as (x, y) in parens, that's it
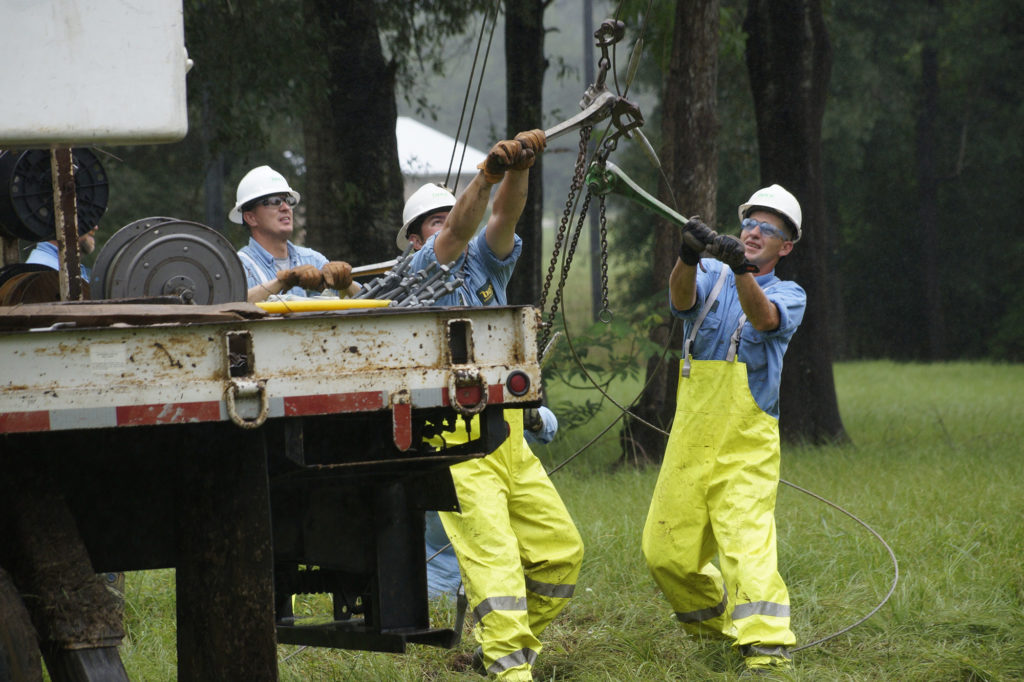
(257, 269)
(734, 340)
(712, 297)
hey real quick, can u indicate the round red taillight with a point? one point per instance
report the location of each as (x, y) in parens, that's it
(518, 383)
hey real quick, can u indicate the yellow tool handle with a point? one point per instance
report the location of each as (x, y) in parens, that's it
(319, 304)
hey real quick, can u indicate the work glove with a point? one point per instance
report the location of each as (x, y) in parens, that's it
(501, 157)
(730, 251)
(696, 237)
(337, 275)
(305, 276)
(533, 142)
(532, 421)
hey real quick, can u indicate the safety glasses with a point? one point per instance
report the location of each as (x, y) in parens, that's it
(276, 201)
(767, 229)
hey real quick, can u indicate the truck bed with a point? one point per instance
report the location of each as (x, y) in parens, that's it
(241, 448)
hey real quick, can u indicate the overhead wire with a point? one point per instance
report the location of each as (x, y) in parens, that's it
(476, 98)
(465, 100)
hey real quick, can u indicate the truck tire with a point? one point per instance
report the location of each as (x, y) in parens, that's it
(19, 646)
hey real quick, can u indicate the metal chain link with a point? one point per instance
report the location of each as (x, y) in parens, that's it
(579, 172)
(569, 253)
(606, 314)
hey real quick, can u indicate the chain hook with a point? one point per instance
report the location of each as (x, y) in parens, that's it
(607, 34)
(626, 116)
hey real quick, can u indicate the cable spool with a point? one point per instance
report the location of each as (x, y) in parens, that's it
(26, 193)
(163, 256)
(8, 272)
(30, 283)
(33, 287)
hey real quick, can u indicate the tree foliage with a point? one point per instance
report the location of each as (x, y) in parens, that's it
(789, 58)
(263, 77)
(257, 68)
(877, 271)
(872, 185)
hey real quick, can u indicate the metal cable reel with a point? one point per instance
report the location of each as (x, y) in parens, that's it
(163, 256)
(30, 283)
(26, 193)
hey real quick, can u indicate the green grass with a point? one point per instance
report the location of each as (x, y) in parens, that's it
(935, 467)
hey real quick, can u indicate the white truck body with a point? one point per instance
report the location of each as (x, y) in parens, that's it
(57, 378)
(90, 71)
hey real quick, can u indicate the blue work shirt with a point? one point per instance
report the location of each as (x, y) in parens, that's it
(261, 268)
(486, 276)
(761, 351)
(443, 575)
(547, 430)
(45, 253)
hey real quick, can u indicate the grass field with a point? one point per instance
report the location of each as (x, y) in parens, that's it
(936, 467)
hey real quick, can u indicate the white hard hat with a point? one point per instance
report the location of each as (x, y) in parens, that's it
(777, 199)
(259, 182)
(429, 198)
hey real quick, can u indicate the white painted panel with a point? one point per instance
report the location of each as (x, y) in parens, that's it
(91, 71)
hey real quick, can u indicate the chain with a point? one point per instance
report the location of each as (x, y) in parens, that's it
(569, 253)
(606, 314)
(577, 183)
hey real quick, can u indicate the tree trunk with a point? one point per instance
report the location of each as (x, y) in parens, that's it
(928, 186)
(690, 160)
(789, 59)
(353, 200)
(524, 84)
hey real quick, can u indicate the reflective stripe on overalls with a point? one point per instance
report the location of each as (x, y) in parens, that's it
(716, 495)
(518, 549)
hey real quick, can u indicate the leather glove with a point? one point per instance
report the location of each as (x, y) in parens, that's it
(532, 139)
(730, 251)
(696, 237)
(305, 276)
(337, 275)
(525, 160)
(533, 142)
(501, 157)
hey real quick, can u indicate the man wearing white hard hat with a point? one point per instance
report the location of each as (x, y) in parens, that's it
(273, 264)
(444, 230)
(716, 491)
(518, 549)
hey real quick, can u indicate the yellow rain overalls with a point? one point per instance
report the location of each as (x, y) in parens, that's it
(715, 495)
(518, 549)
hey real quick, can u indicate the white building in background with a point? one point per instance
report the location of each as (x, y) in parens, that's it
(424, 155)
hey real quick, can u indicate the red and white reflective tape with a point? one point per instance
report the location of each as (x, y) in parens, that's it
(213, 410)
(107, 417)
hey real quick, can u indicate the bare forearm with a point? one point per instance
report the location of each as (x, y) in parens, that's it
(682, 285)
(260, 292)
(760, 311)
(509, 202)
(465, 216)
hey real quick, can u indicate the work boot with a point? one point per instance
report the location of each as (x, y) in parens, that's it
(464, 661)
(762, 660)
(478, 661)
